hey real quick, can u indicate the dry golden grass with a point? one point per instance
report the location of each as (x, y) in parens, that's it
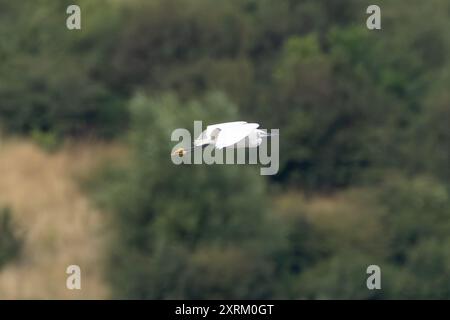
(60, 225)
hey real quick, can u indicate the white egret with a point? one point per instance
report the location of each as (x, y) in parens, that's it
(228, 134)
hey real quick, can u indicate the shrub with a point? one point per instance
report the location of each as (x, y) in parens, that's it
(187, 231)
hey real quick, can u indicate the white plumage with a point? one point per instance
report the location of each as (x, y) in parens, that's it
(240, 134)
(229, 134)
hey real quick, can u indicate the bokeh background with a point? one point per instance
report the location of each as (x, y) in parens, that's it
(85, 170)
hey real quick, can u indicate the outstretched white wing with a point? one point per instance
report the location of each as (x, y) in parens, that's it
(233, 134)
(208, 135)
(224, 125)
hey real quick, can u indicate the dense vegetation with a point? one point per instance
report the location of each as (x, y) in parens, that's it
(363, 117)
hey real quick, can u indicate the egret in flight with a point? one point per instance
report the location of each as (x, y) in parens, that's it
(228, 134)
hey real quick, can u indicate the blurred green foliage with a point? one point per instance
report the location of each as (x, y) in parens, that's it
(48, 141)
(351, 100)
(357, 110)
(50, 77)
(187, 231)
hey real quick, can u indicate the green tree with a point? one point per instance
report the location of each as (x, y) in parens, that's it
(188, 231)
